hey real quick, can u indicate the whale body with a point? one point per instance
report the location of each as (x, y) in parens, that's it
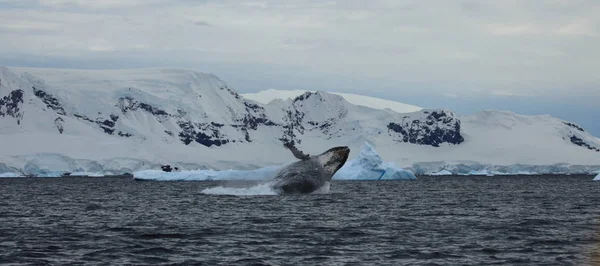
(311, 172)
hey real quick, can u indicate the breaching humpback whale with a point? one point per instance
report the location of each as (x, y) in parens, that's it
(311, 172)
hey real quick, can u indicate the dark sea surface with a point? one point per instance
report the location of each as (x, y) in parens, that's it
(524, 220)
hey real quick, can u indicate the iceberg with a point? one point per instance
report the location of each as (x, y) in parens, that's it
(368, 165)
(597, 178)
(4, 175)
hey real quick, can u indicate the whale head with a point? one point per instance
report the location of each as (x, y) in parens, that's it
(333, 159)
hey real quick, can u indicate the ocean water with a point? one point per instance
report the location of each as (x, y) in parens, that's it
(525, 220)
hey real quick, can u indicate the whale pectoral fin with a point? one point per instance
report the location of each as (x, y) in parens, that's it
(298, 154)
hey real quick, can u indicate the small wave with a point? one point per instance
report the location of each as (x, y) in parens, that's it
(160, 236)
(93, 207)
(261, 189)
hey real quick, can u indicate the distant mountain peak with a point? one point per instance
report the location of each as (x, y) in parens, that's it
(266, 96)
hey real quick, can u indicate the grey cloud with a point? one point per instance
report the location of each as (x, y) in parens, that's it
(458, 48)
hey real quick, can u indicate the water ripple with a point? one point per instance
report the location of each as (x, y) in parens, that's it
(431, 221)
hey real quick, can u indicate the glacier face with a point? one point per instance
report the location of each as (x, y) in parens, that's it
(116, 121)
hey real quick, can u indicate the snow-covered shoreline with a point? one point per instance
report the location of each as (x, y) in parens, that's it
(365, 165)
(54, 121)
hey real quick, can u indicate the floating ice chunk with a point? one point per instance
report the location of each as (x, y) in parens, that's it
(440, 173)
(264, 173)
(90, 174)
(480, 173)
(368, 165)
(597, 178)
(50, 174)
(526, 173)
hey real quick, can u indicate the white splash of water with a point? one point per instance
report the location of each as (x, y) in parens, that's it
(261, 189)
(324, 189)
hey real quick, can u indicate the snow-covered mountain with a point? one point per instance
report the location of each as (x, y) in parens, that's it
(266, 96)
(128, 120)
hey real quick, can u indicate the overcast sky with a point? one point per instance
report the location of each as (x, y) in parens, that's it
(529, 56)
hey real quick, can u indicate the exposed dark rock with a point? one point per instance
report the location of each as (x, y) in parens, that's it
(188, 132)
(326, 126)
(114, 117)
(124, 134)
(198, 133)
(232, 92)
(107, 123)
(59, 122)
(579, 142)
(107, 130)
(108, 126)
(437, 128)
(166, 168)
(84, 118)
(153, 110)
(181, 113)
(10, 105)
(251, 122)
(303, 96)
(574, 126)
(50, 101)
(208, 141)
(170, 133)
(253, 106)
(293, 124)
(129, 103)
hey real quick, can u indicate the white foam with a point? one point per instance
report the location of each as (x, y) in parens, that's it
(323, 190)
(257, 190)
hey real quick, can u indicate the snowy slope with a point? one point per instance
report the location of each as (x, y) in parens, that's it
(269, 95)
(129, 120)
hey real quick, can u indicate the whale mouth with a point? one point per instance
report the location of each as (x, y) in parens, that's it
(343, 154)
